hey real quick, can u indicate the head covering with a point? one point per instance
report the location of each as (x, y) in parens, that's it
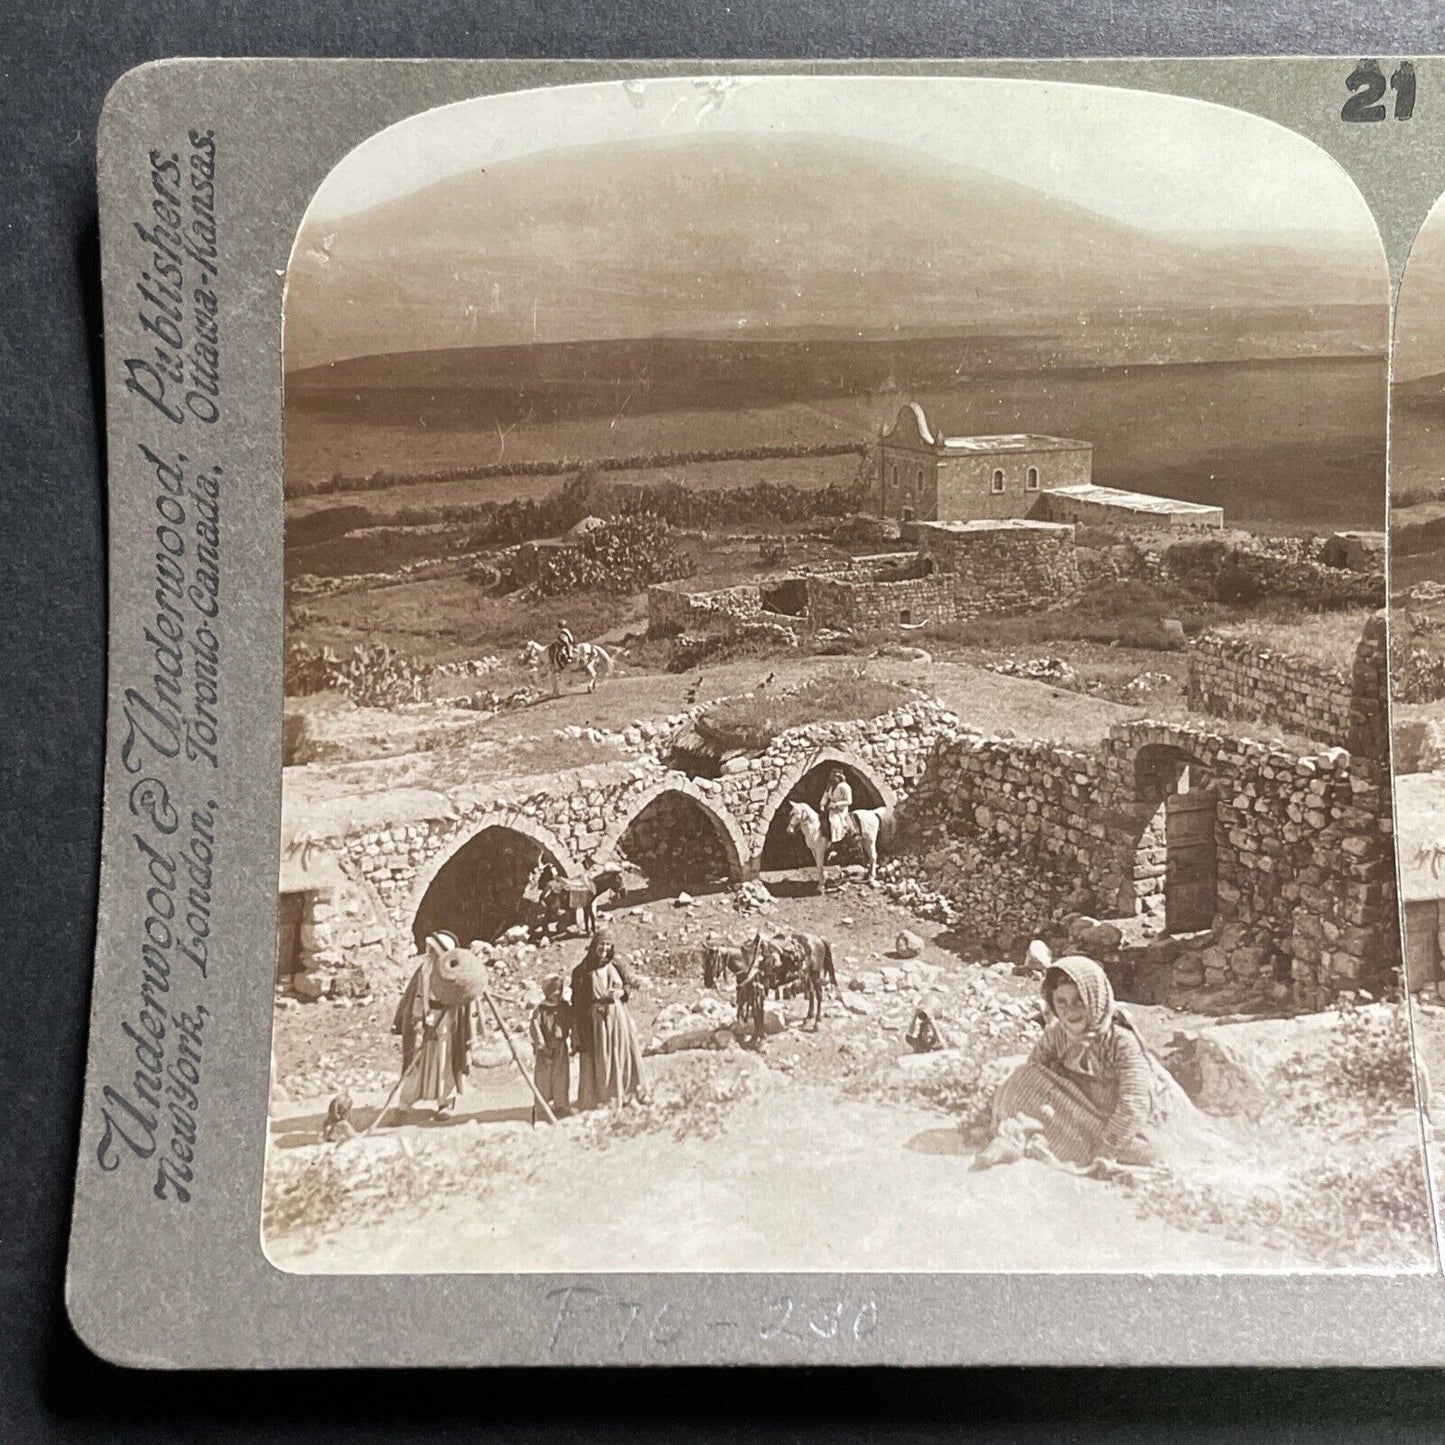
(440, 943)
(1096, 994)
(551, 984)
(601, 949)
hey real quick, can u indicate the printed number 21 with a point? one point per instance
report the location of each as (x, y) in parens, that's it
(1366, 83)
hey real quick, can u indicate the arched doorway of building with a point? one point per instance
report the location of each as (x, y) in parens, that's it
(785, 851)
(483, 888)
(1176, 871)
(680, 844)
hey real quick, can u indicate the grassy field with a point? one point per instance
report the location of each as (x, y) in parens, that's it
(451, 619)
(1285, 441)
(810, 473)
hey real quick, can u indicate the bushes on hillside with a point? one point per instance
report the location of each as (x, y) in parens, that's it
(370, 674)
(622, 556)
(327, 543)
(340, 482)
(1243, 576)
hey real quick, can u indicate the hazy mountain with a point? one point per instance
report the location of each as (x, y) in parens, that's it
(759, 236)
(1420, 314)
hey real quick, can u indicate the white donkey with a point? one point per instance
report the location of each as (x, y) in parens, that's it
(872, 824)
(587, 657)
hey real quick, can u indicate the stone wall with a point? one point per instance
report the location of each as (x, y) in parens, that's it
(584, 817)
(672, 609)
(1018, 832)
(1304, 856)
(862, 603)
(1237, 678)
(893, 752)
(1004, 568)
(339, 927)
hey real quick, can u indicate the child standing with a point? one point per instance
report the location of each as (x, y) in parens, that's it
(548, 1030)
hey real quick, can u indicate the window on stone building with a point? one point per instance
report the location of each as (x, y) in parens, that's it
(918, 479)
(998, 479)
(1032, 482)
(895, 476)
(905, 616)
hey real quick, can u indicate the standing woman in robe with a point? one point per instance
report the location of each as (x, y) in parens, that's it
(616, 1056)
(436, 1040)
(582, 1027)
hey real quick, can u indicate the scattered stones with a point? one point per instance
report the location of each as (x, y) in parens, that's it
(1040, 669)
(753, 897)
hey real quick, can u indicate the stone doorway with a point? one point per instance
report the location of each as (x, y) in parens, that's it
(679, 845)
(1176, 870)
(784, 851)
(483, 888)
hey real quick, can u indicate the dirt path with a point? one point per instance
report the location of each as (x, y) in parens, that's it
(799, 1180)
(983, 699)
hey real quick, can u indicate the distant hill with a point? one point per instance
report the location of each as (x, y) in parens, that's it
(1424, 393)
(795, 237)
(1419, 327)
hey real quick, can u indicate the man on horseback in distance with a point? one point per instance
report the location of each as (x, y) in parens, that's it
(563, 647)
(837, 807)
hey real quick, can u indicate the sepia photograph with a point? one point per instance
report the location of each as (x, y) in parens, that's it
(1417, 672)
(837, 692)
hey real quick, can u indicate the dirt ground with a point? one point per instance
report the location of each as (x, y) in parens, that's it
(822, 1154)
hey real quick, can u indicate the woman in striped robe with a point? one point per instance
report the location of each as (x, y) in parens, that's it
(1090, 1081)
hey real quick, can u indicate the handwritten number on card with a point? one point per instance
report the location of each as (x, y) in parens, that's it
(1367, 85)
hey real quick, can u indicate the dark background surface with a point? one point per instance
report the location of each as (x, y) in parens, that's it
(59, 61)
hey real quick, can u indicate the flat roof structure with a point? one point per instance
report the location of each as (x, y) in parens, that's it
(1141, 502)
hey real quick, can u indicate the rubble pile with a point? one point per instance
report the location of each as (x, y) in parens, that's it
(1038, 669)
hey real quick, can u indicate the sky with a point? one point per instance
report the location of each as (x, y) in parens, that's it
(1160, 162)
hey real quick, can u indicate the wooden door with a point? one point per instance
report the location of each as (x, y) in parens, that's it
(1190, 874)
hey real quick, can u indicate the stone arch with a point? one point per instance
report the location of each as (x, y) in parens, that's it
(474, 887)
(731, 848)
(874, 792)
(1174, 874)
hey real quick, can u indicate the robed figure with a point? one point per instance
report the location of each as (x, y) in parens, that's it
(436, 1036)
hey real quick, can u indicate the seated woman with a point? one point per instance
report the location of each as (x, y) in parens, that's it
(1090, 1081)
